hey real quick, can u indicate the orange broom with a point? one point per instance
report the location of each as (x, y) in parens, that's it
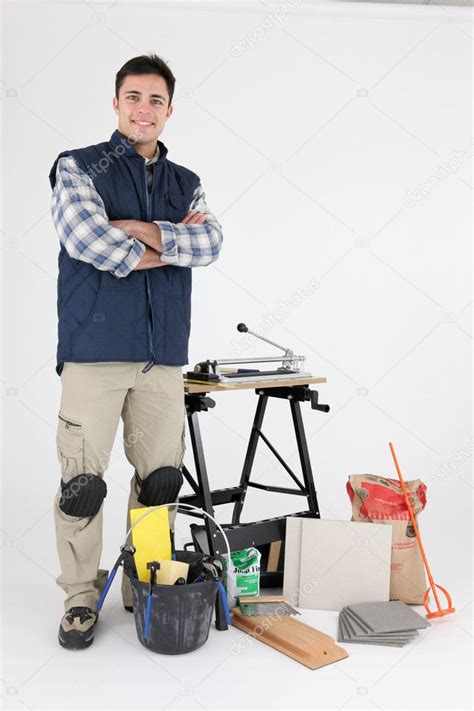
(440, 612)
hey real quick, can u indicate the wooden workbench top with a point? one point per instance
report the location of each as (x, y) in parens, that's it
(195, 387)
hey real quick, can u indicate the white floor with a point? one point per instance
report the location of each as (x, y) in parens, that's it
(230, 671)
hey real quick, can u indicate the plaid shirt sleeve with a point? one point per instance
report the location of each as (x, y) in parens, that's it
(192, 245)
(83, 227)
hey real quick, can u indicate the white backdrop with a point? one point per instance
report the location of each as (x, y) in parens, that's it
(333, 142)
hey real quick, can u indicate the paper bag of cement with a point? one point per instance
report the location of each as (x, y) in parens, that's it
(380, 500)
(243, 574)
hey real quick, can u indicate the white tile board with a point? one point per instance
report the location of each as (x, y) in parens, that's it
(291, 571)
(343, 563)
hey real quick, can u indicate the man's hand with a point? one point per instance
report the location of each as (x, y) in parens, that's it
(146, 232)
(150, 260)
(194, 218)
(149, 233)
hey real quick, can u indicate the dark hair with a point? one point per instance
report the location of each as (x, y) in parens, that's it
(146, 64)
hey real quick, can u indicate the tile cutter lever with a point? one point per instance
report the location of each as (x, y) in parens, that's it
(211, 371)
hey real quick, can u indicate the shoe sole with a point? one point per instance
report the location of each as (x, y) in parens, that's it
(75, 640)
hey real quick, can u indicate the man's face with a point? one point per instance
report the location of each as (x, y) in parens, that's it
(142, 108)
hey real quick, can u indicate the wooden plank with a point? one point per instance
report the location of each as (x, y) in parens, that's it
(273, 557)
(297, 640)
(194, 387)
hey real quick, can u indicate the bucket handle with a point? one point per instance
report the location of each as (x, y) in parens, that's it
(187, 506)
(149, 510)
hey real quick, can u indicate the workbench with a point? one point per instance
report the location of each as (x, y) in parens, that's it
(206, 537)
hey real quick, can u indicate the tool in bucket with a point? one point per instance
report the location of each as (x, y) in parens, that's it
(440, 612)
(175, 619)
(213, 568)
(170, 571)
(152, 567)
(127, 560)
(152, 539)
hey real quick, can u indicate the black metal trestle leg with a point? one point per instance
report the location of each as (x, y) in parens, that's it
(304, 458)
(203, 480)
(250, 456)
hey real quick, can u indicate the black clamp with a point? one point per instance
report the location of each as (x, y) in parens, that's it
(199, 402)
(297, 393)
(314, 397)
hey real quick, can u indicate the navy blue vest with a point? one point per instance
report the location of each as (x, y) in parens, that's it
(144, 316)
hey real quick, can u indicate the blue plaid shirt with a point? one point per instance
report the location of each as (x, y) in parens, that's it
(83, 228)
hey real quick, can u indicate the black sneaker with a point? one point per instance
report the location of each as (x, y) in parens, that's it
(76, 630)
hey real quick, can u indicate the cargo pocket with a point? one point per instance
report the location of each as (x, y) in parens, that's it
(70, 447)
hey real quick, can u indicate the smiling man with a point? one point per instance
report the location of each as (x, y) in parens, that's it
(131, 226)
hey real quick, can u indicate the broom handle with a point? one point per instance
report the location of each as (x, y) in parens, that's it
(413, 520)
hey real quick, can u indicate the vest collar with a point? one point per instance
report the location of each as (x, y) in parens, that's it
(118, 139)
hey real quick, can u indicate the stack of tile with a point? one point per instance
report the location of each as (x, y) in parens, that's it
(391, 624)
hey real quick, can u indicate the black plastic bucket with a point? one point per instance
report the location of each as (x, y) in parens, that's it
(181, 615)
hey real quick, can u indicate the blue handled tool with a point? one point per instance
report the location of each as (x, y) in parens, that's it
(213, 570)
(125, 558)
(152, 567)
(225, 604)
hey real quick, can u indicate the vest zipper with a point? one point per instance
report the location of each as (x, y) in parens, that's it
(151, 329)
(151, 319)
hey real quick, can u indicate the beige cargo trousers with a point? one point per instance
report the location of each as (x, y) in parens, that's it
(94, 398)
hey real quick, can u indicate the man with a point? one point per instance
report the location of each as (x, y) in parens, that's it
(131, 225)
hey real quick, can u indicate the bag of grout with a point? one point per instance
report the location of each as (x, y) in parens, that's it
(242, 575)
(380, 500)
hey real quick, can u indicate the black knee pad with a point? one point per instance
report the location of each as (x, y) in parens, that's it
(160, 487)
(83, 495)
